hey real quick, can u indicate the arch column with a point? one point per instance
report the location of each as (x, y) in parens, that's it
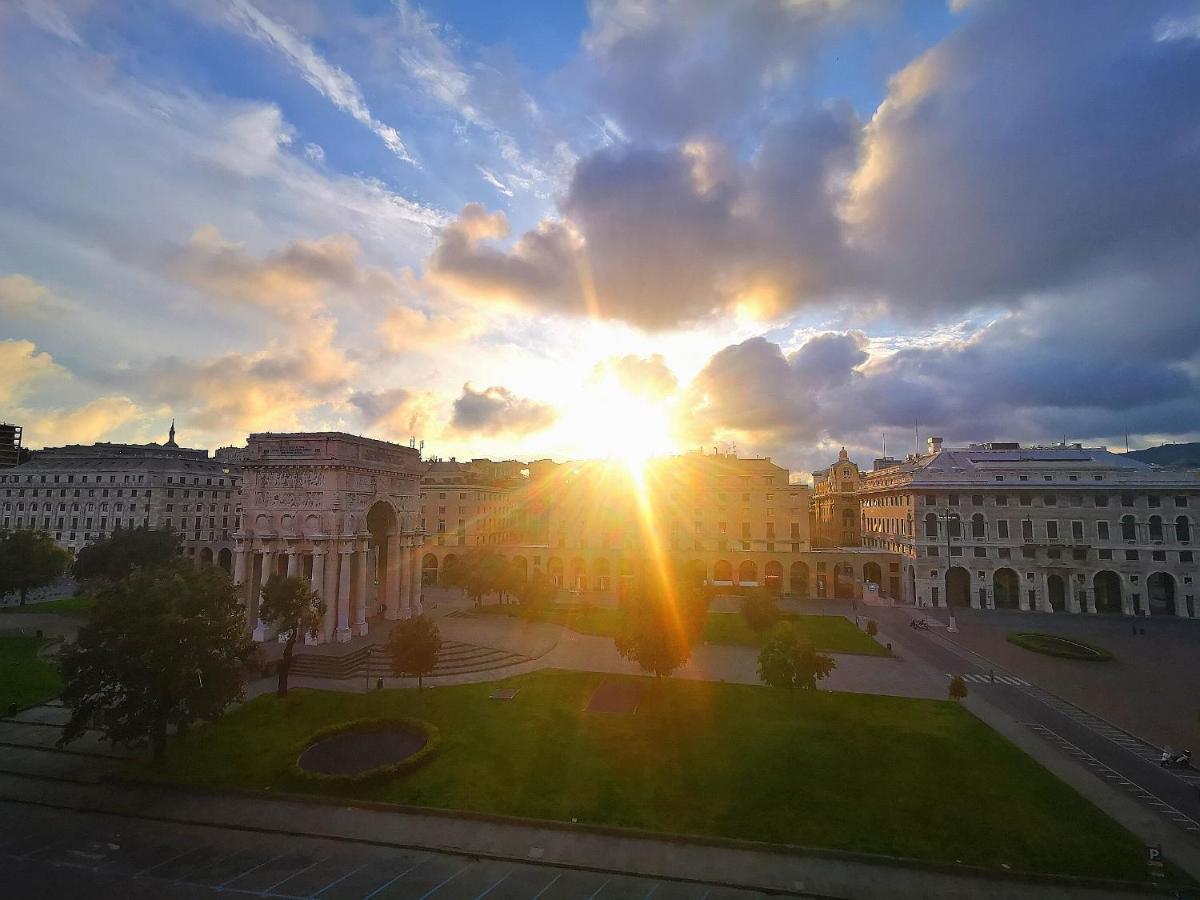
(317, 586)
(260, 627)
(293, 563)
(1072, 597)
(1127, 605)
(397, 593)
(1022, 596)
(345, 560)
(359, 627)
(414, 557)
(239, 569)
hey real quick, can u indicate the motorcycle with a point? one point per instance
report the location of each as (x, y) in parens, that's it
(919, 624)
(1176, 761)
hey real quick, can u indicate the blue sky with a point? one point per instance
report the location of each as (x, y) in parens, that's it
(507, 229)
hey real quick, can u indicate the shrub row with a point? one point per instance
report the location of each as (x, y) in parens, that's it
(1053, 645)
(430, 732)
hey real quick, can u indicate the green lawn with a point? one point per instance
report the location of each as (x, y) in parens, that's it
(832, 634)
(67, 606)
(24, 678)
(915, 778)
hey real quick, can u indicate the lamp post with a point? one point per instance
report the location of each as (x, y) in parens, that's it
(948, 517)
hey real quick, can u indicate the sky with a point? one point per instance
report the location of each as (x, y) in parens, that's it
(568, 230)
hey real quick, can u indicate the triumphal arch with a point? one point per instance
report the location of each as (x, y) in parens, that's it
(340, 511)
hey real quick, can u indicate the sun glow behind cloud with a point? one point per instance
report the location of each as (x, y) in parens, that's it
(606, 421)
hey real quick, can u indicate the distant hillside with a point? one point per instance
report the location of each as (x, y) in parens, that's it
(1171, 456)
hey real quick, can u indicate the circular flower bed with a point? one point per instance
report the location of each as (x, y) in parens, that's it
(1056, 645)
(365, 749)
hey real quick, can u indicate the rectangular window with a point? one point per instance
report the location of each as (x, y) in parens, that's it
(1185, 556)
(1002, 499)
(1131, 555)
(1154, 501)
(1052, 530)
(1026, 500)
(1102, 531)
(1077, 531)
(1004, 553)
(1050, 499)
(981, 552)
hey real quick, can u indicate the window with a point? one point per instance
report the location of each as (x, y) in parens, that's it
(1102, 531)
(1049, 500)
(1002, 529)
(1185, 556)
(956, 551)
(1079, 553)
(1027, 530)
(1077, 530)
(931, 529)
(1127, 499)
(1002, 499)
(1154, 501)
(1128, 529)
(1052, 530)
(1156, 528)
(1131, 555)
(1181, 500)
(977, 526)
(1029, 552)
(1159, 555)
(1104, 554)
(977, 499)
(952, 499)
(981, 552)
(1183, 530)
(1026, 500)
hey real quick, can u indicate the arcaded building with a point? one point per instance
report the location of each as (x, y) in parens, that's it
(593, 526)
(1060, 528)
(340, 511)
(81, 493)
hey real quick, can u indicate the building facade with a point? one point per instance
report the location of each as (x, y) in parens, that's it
(835, 504)
(1062, 528)
(10, 445)
(82, 493)
(340, 511)
(592, 526)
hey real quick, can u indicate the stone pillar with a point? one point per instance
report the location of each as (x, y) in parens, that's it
(239, 569)
(414, 557)
(1044, 593)
(293, 563)
(1089, 599)
(331, 590)
(345, 560)
(1022, 596)
(361, 601)
(317, 586)
(1072, 597)
(397, 587)
(260, 627)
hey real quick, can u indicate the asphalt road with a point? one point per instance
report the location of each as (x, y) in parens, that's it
(1032, 706)
(52, 853)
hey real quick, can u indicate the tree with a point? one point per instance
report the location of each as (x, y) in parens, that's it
(760, 610)
(413, 647)
(289, 605)
(164, 649)
(537, 593)
(661, 624)
(787, 661)
(29, 560)
(452, 574)
(958, 688)
(115, 556)
(512, 579)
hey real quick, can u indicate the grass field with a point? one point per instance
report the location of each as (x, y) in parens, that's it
(67, 606)
(914, 778)
(24, 678)
(832, 634)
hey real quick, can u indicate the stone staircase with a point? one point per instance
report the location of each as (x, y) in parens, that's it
(371, 661)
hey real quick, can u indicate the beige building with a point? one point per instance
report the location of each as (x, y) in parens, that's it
(1062, 528)
(340, 511)
(835, 504)
(592, 526)
(81, 493)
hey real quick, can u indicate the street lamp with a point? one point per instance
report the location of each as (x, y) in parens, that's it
(948, 517)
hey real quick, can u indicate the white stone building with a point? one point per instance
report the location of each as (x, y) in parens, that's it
(340, 511)
(1063, 528)
(80, 493)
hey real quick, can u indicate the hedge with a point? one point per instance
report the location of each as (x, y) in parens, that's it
(429, 731)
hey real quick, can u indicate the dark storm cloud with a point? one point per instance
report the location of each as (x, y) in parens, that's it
(497, 410)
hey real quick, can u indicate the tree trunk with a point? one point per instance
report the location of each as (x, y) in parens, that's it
(24, 591)
(420, 683)
(285, 665)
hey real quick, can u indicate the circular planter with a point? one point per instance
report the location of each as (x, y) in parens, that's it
(365, 749)
(1056, 645)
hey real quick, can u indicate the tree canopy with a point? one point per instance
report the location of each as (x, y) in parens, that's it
(164, 649)
(477, 572)
(760, 610)
(662, 622)
(116, 555)
(413, 648)
(788, 661)
(29, 560)
(291, 606)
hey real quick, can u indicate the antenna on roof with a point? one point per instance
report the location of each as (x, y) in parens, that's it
(916, 439)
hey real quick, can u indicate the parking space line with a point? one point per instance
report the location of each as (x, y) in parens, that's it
(650, 893)
(494, 886)
(599, 889)
(292, 875)
(395, 878)
(340, 879)
(221, 886)
(547, 887)
(438, 887)
(162, 862)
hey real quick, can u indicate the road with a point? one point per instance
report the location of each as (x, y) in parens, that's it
(1125, 761)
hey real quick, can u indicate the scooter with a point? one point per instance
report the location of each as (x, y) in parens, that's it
(1178, 761)
(919, 624)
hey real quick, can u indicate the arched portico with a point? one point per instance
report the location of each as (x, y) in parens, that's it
(1160, 588)
(1056, 591)
(722, 572)
(225, 559)
(798, 580)
(429, 570)
(773, 575)
(958, 586)
(206, 556)
(1107, 586)
(748, 573)
(1006, 589)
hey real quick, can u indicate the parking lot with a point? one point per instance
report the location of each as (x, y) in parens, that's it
(108, 856)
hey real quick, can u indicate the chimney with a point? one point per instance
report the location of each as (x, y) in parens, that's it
(935, 445)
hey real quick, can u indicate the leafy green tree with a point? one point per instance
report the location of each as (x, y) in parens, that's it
(413, 648)
(453, 573)
(29, 560)
(512, 579)
(115, 556)
(289, 605)
(165, 648)
(958, 688)
(787, 661)
(760, 610)
(661, 624)
(537, 593)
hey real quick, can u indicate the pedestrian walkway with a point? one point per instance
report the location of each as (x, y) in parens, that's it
(979, 678)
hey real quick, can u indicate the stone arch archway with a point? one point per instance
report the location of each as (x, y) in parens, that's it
(1006, 589)
(958, 586)
(206, 556)
(723, 572)
(1107, 587)
(873, 573)
(554, 571)
(773, 575)
(798, 580)
(748, 573)
(225, 559)
(843, 581)
(429, 570)
(382, 560)
(1056, 591)
(697, 572)
(1160, 592)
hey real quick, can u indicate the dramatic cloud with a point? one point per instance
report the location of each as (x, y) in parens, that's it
(396, 414)
(649, 377)
(22, 367)
(498, 410)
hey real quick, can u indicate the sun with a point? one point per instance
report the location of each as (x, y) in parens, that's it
(610, 422)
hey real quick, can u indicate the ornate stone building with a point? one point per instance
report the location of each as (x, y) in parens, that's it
(340, 511)
(1062, 528)
(835, 504)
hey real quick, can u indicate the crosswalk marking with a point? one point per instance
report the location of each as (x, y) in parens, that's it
(977, 678)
